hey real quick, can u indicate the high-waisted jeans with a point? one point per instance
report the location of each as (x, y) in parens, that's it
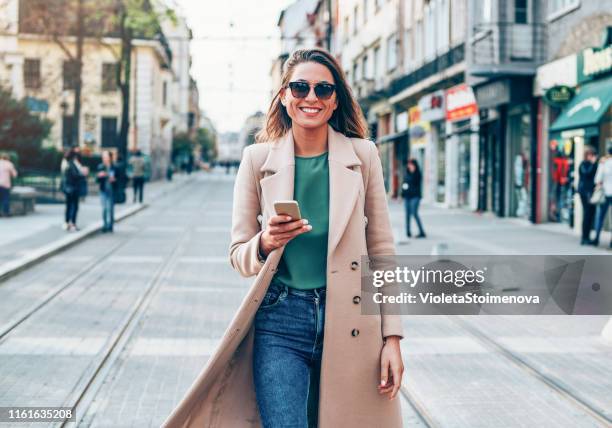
(287, 350)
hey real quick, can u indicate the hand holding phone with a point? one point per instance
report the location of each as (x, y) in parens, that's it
(283, 227)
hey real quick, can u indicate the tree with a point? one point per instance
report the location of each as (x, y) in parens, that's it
(182, 145)
(133, 19)
(22, 132)
(208, 144)
(57, 19)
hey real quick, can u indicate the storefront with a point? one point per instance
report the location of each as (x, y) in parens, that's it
(505, 167)
(575, 95)
(393, 149)
(461, 147)
(585, 121)
(431, 130)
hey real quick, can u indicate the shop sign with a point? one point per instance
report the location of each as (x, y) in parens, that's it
(493, 94)
(418, 127)
(36, 105)
(558, 96)
(460, 102)
(432, 106)
(594, 62)
(401, 121)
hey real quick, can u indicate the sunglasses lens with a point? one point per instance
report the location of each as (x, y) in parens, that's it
(324, 91)
(299, 89)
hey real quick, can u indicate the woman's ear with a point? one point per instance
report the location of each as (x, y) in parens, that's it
(281, 95)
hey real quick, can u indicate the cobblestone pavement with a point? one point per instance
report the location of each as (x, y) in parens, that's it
(122, 324)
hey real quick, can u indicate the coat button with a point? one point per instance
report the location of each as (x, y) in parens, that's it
(354, 265)
(355, 332)
(356, 299)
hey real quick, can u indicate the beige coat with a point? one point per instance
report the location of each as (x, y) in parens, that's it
(223, 394)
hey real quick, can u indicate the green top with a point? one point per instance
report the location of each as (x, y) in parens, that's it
(304, 261)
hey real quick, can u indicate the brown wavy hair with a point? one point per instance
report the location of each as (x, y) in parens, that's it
(347, 117)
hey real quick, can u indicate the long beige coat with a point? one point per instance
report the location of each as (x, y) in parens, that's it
(223, 394)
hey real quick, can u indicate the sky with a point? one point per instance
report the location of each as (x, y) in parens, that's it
(232, 55)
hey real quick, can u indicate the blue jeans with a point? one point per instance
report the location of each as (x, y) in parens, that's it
(108, 209)
(287, 350)
(602, 211)
(5, 200)
(412, 209)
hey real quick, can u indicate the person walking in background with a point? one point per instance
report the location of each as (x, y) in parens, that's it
(137, 163)
(603, 179)
(107, 179)
(7, 173)
(586, 185)
(72, 174)
(411, 192)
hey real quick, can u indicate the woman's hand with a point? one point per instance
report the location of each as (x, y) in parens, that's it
(281, 230)
(391, 367)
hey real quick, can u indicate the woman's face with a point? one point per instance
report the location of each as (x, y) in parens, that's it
(411, 167)
(310, 112)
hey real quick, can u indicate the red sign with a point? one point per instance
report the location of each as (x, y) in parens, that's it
(460, 102)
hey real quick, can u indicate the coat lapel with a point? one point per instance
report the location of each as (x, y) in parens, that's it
(281, 163)
(344, 183)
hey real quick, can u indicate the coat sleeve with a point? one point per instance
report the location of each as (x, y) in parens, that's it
(379, 235)
(246, 230)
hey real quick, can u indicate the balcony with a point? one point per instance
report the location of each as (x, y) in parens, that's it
(507, 49)
(453, 56)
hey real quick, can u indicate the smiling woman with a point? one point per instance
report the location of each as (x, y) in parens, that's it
(299, 352)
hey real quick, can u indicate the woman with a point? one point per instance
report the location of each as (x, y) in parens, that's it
(603, 180)
(72, 177)
(300, 330)
(586, 185)
(107, 180)
(411, 192)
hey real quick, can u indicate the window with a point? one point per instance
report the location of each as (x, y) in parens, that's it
(68, 137)
(377, 63)
(346, 29)
(364, 67)
(31, 73)
(109, 132)
(355, 77)
(391, 52)
(418, 43)
(557, 8)
(365, 11)
(165, 93)
(376, 5)
(520, 11)
(70, 74)
(109, 77)
(355, 18)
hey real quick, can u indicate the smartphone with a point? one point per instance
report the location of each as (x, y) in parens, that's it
(290, 208)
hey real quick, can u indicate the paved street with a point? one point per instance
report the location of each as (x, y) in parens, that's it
(120, 325)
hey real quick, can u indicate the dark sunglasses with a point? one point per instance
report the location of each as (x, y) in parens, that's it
(323, 91)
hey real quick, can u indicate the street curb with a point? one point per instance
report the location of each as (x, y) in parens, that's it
(14, 267)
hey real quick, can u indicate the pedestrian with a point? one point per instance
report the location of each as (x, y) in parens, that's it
(107, 181)
(137, 163)
(411, 192)
(586, 185)
(603, 180)
(7, 174)
(300, 334)
(72, 176)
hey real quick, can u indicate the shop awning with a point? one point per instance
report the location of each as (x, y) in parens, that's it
(392, 137)
(586, 108)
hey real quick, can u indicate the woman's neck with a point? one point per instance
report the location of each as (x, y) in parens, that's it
(309, 141)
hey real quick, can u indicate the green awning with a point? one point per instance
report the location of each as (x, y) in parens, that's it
(586, 108)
